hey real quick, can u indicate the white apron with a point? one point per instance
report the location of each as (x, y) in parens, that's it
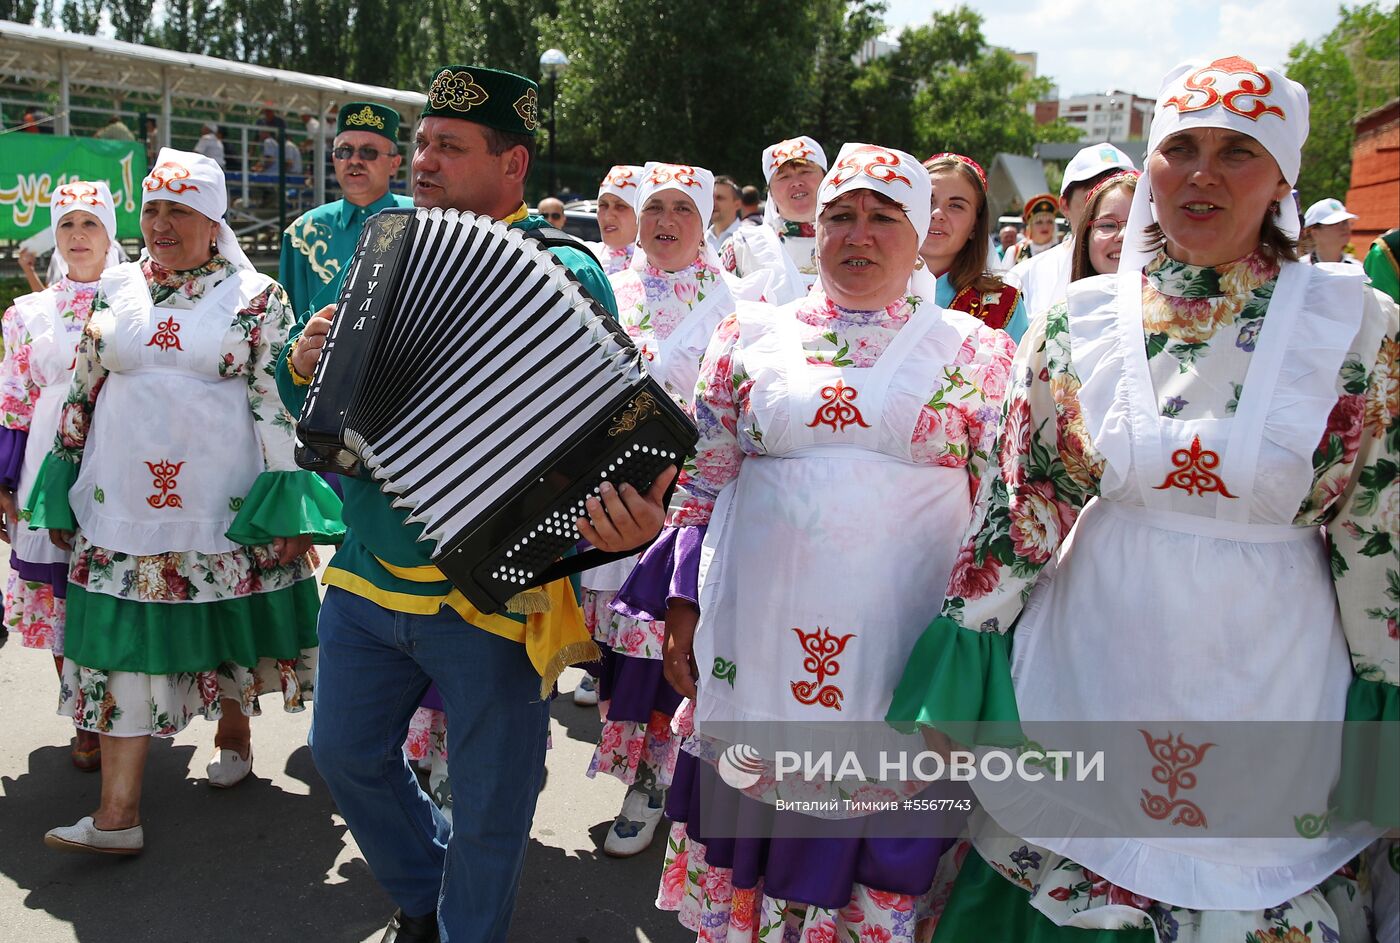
(172, 450)
(53, 343)
(674, 361)
(827, 557)
(1188, 596)
(769, 252)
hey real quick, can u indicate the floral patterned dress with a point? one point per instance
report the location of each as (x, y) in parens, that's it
(155, 640)
(954, 430)
(34, 606)
(1200, 330)
(652, 306)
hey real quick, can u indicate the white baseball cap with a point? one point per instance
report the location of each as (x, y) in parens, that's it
(1326, 212)
(1092, 161)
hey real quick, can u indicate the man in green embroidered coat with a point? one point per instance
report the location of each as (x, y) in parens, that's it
(317, 246)
(391, 621)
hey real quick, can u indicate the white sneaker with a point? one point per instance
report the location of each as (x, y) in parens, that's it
(632, 830)
(84, 835)
(226, 768)
(586, 692)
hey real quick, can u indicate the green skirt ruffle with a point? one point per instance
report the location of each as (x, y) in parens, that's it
(112, 634)
(288, 504)
(1369, 789)
(958, 681)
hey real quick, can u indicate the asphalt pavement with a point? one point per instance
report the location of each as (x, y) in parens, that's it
(271, 860)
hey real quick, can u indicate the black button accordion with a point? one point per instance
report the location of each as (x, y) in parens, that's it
(472, 377)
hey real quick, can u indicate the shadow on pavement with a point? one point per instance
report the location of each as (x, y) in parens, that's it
(591, 898)
(250, 863)
(580, 723)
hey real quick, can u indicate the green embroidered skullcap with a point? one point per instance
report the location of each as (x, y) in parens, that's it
(500, 100)
(367, 116)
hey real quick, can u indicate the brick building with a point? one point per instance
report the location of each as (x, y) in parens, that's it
(1374, 195)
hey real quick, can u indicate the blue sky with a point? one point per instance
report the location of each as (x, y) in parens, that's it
(1093, 45)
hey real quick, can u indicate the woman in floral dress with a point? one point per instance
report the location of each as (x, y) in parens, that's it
(191, 590)
(955, 249)
(1234, 417)
(41, 333)
(842, 437)
(669, 305)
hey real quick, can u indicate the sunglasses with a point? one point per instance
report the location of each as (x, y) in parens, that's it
(553, 215)
(367, 153)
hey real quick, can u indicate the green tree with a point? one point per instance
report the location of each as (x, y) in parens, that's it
(945, 89)
(81, 16)
(830, 111)
(711, 84)
(1350, 71)
(131, 19)
(18, 11)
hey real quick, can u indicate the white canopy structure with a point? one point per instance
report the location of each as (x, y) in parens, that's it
(91, 65)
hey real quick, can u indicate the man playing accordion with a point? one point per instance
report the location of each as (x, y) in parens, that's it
(392, 623)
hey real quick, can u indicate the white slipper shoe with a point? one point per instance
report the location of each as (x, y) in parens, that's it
(226, 768)
(84, 835)
(631, 832)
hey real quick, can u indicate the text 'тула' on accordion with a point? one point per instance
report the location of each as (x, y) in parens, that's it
(472, 377)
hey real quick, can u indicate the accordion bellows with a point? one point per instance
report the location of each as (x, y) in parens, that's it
(481, 387)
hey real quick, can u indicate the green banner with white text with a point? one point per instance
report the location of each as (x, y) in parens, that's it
(32, 165)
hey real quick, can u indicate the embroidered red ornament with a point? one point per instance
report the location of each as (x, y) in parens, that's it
(875, 162)
(167, 176)
(1240, 75)
(839, 410)
(822, 648)
(620, 177)
(684, 174)
(167, 335)
(791, 149)
(1194, 472)
(1173, 770)
(71, 193)
(165, 473)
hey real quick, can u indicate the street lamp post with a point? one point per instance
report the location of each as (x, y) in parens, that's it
(552, 63)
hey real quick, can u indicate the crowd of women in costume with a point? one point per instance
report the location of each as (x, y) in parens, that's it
(1147, 474)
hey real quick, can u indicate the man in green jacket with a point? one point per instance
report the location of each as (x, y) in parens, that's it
(391, 623)
(317, 246)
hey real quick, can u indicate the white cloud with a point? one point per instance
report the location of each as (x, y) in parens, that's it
(1092, 46)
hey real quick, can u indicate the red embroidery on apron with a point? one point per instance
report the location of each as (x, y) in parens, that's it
(822, 648)
(839, 411)
(1173, 770)
(1194, 473)
(167, 335)
(165, 472)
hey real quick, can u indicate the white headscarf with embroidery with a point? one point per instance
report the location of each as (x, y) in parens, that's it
(195, 181)
(1230, 93)
(695, 182)
(89, 196)
(775, 155)
(622, 182)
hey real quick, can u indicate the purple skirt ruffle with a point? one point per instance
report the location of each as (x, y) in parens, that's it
(809, 870)
(669, 569)
(55, 574)
(432, 700)
(635, 688)
(12, 443)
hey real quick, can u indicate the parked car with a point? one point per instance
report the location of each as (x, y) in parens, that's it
(581, 219)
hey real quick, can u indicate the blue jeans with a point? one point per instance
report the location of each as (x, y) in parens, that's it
(373, 668)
